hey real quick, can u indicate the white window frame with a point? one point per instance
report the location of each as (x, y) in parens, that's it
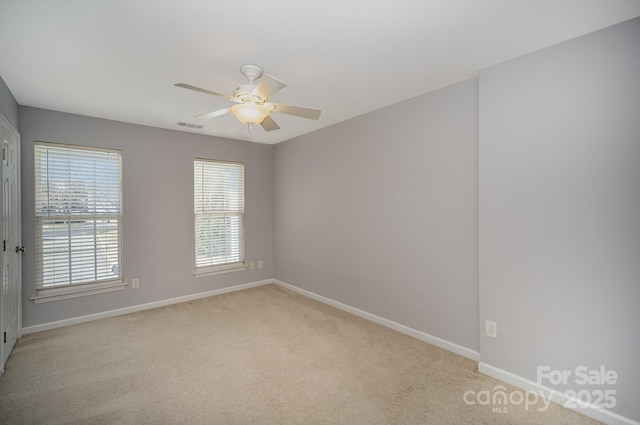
(233, 195)
(49, 217)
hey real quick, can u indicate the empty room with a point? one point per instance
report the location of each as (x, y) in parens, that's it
(410, 212)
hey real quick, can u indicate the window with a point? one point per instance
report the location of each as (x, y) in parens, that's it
(78, 213)
(219, 216)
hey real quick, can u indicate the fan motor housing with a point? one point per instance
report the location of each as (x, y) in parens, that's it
(244, 93)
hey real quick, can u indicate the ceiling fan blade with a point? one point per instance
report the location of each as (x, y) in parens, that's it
(312, 114)
(214, 113)
(200, 89)
(269, 124)
(267, 86)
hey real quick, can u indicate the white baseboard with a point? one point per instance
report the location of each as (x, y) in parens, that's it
(141, 307)
(422, 336)
(595, 412)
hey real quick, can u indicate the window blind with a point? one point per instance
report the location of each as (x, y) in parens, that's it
(219, 214)
(78, 203)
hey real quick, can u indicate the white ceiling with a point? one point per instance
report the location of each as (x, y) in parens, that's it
(119, 59)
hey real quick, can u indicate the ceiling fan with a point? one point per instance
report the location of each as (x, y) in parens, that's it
(253, 106)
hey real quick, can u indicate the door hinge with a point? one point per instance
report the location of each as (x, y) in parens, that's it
(5, 337)
(4, 154)
(4, 245)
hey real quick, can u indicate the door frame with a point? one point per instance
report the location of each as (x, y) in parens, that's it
(5, 126)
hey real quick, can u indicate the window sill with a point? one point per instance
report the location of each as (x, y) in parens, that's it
(57, 294)
(211, 271)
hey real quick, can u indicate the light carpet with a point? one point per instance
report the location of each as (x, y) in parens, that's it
(260, 356)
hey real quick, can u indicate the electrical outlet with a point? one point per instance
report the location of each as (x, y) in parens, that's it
(491, 329)
(135, 283)
(260, 264)
(251, 265)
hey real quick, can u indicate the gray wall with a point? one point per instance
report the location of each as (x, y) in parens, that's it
(560, 209)
(380, 213)
(8, 104)
(158, 209)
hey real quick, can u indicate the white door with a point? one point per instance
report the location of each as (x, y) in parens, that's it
(11, 249)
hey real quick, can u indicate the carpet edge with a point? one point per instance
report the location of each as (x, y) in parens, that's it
(592, 411)
(420, 335)
(140, 307)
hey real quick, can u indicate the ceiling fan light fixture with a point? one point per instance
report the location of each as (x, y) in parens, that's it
(250, 113)
(252, 106)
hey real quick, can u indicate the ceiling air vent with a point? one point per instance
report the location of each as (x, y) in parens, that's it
(189, 125)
